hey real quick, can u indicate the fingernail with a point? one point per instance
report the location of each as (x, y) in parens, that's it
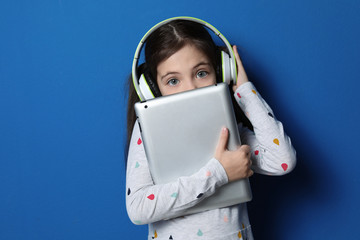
(224, 129)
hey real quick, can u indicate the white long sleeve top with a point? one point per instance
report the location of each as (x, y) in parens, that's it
(156, 205)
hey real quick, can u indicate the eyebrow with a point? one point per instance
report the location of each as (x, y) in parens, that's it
(201, 63)
(169, 73)
(196, 66)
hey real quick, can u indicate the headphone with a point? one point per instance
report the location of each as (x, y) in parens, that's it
(147, 89)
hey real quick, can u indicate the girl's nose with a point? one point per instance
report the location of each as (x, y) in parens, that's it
(190, 85)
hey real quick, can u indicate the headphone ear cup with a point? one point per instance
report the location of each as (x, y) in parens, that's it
(145, 88)
(225, 67)
(148, 88)
(152, 84)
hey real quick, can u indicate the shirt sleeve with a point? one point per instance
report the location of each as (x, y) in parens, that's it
(147, 202)
(271, 150)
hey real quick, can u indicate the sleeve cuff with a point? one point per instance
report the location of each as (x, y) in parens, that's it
(217, 171)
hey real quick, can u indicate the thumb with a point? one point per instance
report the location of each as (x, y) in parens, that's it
(222, 144)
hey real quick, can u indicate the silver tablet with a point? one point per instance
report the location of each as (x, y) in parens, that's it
(180, 133)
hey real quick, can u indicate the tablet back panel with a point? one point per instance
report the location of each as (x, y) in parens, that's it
(180, 133)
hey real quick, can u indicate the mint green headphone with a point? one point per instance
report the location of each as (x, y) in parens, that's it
(144, 85)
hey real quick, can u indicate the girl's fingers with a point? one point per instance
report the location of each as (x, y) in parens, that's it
(237, 56)
(222, 143)
(241, 77)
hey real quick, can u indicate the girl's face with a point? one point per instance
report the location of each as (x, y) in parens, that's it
(186, 69)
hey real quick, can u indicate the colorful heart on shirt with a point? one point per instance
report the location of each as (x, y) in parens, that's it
(284, 166)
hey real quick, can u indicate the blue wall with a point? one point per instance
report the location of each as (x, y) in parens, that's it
(63, 66)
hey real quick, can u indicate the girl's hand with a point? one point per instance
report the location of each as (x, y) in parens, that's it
(236, 163)
(241, 77)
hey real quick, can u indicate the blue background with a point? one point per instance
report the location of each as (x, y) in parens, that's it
(63, 68)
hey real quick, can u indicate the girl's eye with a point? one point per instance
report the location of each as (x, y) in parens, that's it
(173, 82)
(201, 74)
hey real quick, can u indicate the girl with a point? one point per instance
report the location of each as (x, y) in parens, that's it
(181, 56)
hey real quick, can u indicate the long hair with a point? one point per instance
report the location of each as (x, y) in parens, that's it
(163, 43)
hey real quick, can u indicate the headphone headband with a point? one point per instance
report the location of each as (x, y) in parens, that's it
(135, 76)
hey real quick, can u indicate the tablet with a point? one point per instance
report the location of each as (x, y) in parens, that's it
(180, 133)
